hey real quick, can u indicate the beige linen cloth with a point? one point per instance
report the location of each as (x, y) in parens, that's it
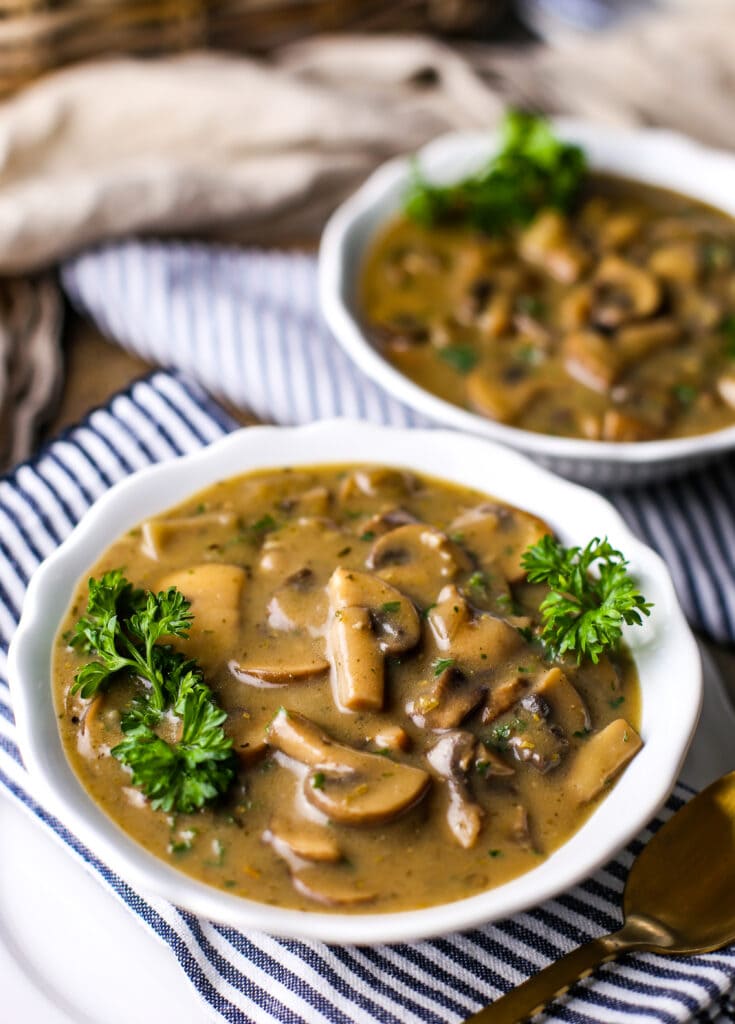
(262, 150)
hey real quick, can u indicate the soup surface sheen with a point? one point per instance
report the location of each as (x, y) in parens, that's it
(401, 739)
(613, 323)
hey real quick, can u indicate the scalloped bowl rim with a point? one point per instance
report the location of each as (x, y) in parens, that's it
(665, 652)
(654, 156)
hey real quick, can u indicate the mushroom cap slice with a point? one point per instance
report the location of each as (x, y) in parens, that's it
(450, 614)
(349, 786)
(498, 536)
(493, 765)
(623, 292)
(451, 699)
(504, 693)
(247, 732)
(302, 840)
(599, 759)
(316, 501)
(299, 603)
(158, 536)
(567, 706)
(377, 481)
(282, 553)
(451, 757)
(215, 592)
(592, 359)
(418, 560)
(323, 885)
(395, 620)
(548, 243)
(388, 519)
(502, 394)
(476, 642)
(280, 666)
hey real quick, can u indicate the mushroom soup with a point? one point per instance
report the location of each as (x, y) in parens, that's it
(614, 321)
(401, 736)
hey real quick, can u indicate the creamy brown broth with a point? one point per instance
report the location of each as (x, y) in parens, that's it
(451, 815)
(615, 323)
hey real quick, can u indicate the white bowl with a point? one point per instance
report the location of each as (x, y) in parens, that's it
(655, 157)
(664, 649)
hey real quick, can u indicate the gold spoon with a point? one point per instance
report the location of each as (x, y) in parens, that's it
(679, 898)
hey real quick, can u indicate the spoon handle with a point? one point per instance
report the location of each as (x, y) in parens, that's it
(530, 997)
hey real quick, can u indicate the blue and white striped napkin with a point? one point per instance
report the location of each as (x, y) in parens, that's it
(247, 325)
(255, 978)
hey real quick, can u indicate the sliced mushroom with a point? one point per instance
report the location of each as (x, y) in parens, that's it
(246, 729)
(301, 602)
(302, 840)
(519, 828)
(391, 738)
(531, 738)
(282, 553)
(600, 758)
(377, 482)
(450, 700)
(495, 319)
(280, 668)
(575, 307)
(623, 292)
(592, 359)
(389, 519)
(451, 758)
(677, 261)
(503, 695)
(159, 535)
(502, 395)
(567, 706)
(215, 592)
(317, 501)
(324, 885)
(448, 616)
(349, 786)
(418, 560)
(726, 389)
(619, 229)
(636, 341)
(498, 536)
(369, 619)
(490, 764)
(477, 642)
(620, 426)
(548, 243)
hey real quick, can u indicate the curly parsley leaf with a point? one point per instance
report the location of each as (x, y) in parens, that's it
(533, 169)
(126, 629)
(592, 595)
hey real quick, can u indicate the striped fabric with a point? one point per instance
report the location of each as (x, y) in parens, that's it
(255, 978)
(247, 325)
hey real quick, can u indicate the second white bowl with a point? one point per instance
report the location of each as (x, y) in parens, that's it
(654, 157)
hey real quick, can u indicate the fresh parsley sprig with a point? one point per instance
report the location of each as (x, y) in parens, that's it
(532, 170)
(592, 595)
(126, 630)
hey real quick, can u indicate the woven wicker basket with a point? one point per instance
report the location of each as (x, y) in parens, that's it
(39, 35)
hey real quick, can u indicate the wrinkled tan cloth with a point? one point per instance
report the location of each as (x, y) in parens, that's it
(261, 151)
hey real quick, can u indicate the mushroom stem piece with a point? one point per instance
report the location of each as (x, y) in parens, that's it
(369, 619)
(451, 758)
